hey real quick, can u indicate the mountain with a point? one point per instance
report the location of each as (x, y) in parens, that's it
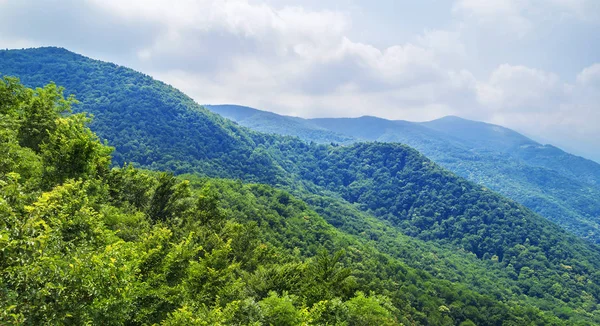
(388, 197)
(268, 122)
(89, 245)
(479, 134)
(152, 123)
(557, 185)
(491, 137)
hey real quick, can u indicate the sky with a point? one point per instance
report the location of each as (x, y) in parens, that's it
(530, 65)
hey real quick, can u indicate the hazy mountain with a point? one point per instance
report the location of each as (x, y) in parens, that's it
(495, 138)
(268, 122)
(559, 186)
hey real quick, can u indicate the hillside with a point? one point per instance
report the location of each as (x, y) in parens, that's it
(82, 244)
(385, 188)
(479, 134)
(148, 122)
(557, 185)
(485, 136)
(268, 122)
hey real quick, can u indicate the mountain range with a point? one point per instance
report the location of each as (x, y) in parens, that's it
(557, 185)
(429, 246)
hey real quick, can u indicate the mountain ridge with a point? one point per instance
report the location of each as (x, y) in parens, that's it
(514, 167)
(155, 126)
(84, 244)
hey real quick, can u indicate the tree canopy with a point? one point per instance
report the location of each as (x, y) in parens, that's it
(369, 225)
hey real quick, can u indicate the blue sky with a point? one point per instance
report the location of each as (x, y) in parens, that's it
(530, 65)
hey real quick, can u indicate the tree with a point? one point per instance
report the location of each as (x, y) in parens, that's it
(39, 115)
(280, 310)
(371, 310)
(166, 200)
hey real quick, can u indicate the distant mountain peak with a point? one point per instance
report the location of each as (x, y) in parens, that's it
(452, 117)
(47, 49)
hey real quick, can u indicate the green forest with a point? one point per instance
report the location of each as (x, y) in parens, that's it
(561, 187)
(192, 219)
(83, 243)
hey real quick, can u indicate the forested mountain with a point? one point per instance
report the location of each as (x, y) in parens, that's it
(154, 124)
(557, 185)
(268, 122)
(479, 134)
(484, 136)
(521, 268)
(81, 244)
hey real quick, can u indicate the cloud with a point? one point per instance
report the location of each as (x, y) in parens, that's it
(72, 24)
(255, 26)
(504, 16)
(519, 88)
(585, 106)
(293, 59)
(586, 10)
(540, 103)
(310, 61)
(446, 44)
(255, 42)
(590, 76)
(522, 18)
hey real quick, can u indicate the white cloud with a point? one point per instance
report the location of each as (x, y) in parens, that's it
(519, 88)
(504, 16)
(444, 43)
(522, 17)
(539, 103)
(586, 10)
(585, 106)
(301, 60)
(308, 62)
(279, 30)
(590, 75)
(489, 8)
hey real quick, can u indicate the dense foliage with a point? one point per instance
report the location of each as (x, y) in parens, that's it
(158, 111)
(559, 186)
(368, 192)
(486, 137)
(80, 244)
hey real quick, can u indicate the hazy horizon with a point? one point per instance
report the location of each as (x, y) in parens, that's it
(530, 66)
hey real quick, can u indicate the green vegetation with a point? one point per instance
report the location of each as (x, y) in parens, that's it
(488, 137)
(559, 186)
(86, 244)
(117, 96)
(420, 244)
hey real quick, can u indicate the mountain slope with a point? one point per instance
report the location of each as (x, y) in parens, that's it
(89, 245)
(268, 122)
(547, 267)
(479, 134)
(555, 184)
(495, 138)
(148, 122)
